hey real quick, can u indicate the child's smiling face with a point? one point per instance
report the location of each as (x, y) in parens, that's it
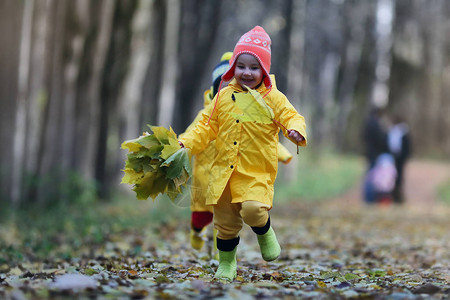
(248, 71)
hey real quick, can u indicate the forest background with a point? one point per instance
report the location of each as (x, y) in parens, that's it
(79, 77)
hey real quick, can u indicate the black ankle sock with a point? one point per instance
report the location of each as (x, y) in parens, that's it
(262, 230)
(227, 245)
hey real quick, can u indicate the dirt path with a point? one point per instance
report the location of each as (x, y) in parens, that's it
(422, 178)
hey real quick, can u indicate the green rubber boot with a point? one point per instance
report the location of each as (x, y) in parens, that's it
(268, 243)
(227, 265)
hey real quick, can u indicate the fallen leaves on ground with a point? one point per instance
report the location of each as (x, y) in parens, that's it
(329, 251)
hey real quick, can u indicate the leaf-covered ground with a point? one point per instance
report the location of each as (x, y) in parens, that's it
(334, 249)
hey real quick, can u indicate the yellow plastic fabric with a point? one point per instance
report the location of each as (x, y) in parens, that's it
(247, 152)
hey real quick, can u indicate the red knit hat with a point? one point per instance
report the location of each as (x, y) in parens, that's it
(257, 43)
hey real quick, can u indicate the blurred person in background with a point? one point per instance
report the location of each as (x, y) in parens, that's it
(399, 144)
(375, 135)
(380, 180)
(375, 142)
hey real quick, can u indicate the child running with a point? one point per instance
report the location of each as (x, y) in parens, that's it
(202, 214)
(244, 168)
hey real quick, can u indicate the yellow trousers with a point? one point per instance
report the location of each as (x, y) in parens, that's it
(229, 217)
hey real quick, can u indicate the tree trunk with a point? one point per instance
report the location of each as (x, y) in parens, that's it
(435, 32)
(38, 94)
(200, 23)
(141, 52)
(109, 155)
(50, 148)
(21, 105)
(11, 17)
(153, 78)
(131, 95)
(170, 64)
(354, 20)
(383, 26)
(93, 104)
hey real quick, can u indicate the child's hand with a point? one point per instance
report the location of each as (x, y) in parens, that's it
(293, 134)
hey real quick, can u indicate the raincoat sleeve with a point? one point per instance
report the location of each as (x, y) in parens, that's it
(287, 115)
(284, 155)
(198, 138)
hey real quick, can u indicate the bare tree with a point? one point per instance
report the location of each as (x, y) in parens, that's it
(92, 124)
(169, 69)
(21, 104)
(11, 18)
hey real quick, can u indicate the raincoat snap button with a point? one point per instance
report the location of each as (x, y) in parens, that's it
(235, 143)
(231, 167)
(237, 121)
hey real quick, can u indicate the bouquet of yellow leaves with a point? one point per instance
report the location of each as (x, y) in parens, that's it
(156, 164)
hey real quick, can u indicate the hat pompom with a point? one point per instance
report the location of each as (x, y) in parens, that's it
(226, 56)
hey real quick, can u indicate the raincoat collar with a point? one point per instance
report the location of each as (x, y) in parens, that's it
(235, 86)
(261, 89)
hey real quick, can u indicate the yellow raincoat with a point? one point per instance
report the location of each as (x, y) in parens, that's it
(203, 163)
(246, 153)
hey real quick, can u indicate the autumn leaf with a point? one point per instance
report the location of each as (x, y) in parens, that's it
(162, 279)
(131, 176)
(252, 108)
(151, 186)
(170, 148)
(351, 276)
(329, 275)
(377, 273)
(131, 145)
(176, 163)
(257, 96)
(148, 141)
(162, 134)
(90, 271)
(132, 274)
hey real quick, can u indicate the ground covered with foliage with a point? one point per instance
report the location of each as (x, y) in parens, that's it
(336, 248)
